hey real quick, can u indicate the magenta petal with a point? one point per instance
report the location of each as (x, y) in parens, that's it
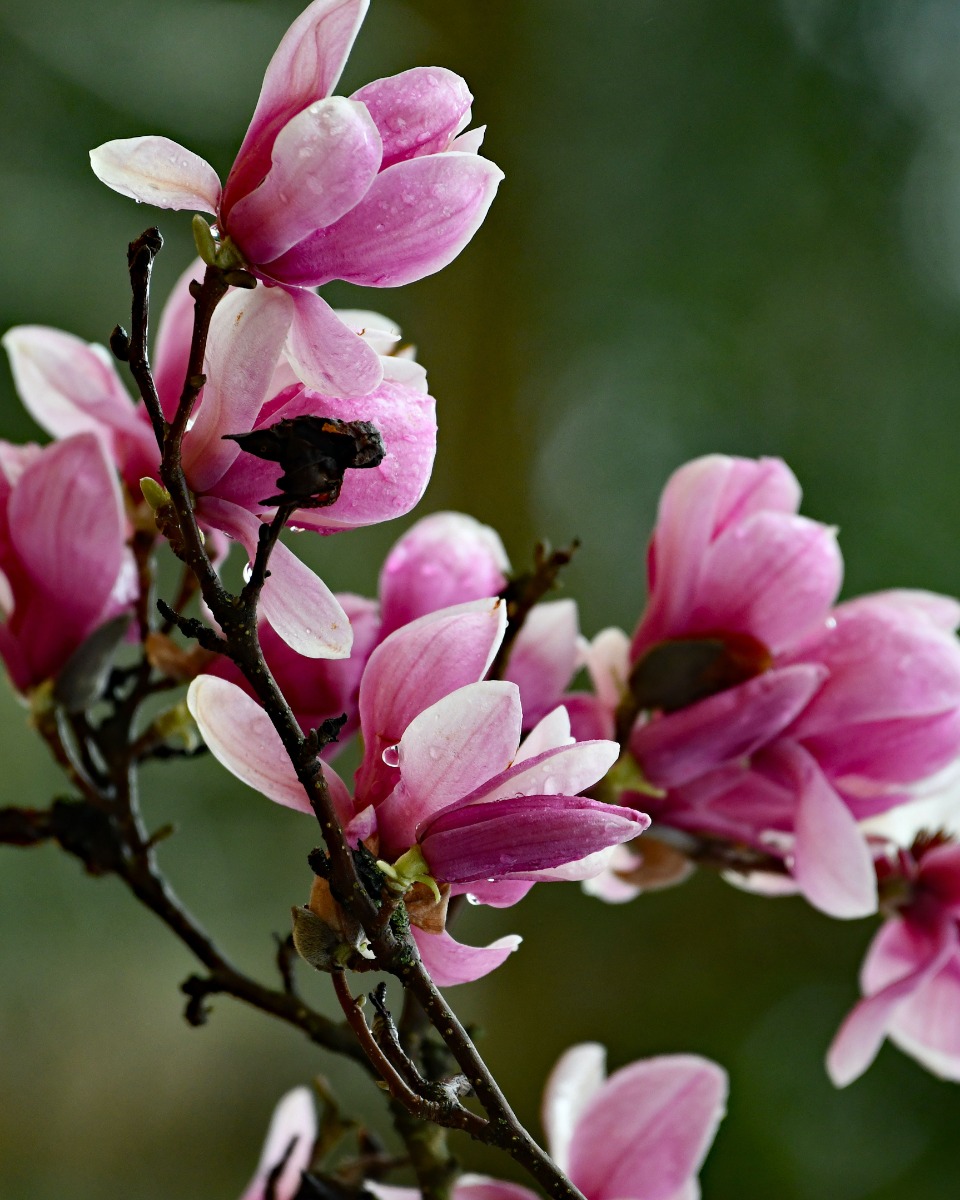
(417, 217)
(645, 1133)
(926, 1025)
(521, 835)
(861, 1034)
(242, 738)
(67, 525)
(322, 163)
(305, 67)
(326, 354)
(174, 334)
(504, 893)
(678, 747)
(157, 171)
(832, 863)
(296, 602)
(290, 1140)
(417, 112)
(412, 669)
(450, 962)
(246, 336)
(444, 559)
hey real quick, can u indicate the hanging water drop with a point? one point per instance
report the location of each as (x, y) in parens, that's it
(391, 756)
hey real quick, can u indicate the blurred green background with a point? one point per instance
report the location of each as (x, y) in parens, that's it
(728, 227)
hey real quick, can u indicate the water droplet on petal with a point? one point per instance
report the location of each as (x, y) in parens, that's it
(434, 753)
(247, 572)
(391, 755)
(472, 899)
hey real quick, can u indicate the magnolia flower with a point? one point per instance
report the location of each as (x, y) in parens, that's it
(69, 386)
(446, 792)
(911, 976)
(64, 567)
(642, 1134)
(377, 189)
(287, 1150)
(767, 715)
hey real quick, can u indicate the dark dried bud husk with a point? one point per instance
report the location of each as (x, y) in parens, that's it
(314, 453)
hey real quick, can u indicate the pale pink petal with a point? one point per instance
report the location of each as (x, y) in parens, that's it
(68, 527)
(607, 659)
(305, 67)
(450, 962)
(322, 163)
(481, 1187)
(242, 738)
(326, 353)
(294, 1122)
(6, 596)
(861, 1034)
(417, 112)
(521, 836)
(544, 655)
(247, 333)
(550, 733)
(469, 142)
(772, 576)
(942, 611)
(157, 171)
(646, 1131)
(678, 747)
(571, 1085)
(561, 770)
(415, 667)
(379, 332)
(417, 217)
(926, 1026)
(831, 860)
(174, 334)
(753, 486)
(296, 602)
(444, 559)
(446, 752)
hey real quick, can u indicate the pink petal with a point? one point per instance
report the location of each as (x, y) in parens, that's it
(174, 334)
(925, 1026)
(678, 747)
(68, 528)
(942, 611)
(544, 656)
(607, 659)
(469, 142)
(574, 1081)
(502, 893)
(417, 112)
(407, 423)
(322, 163)
(417, 217)
(446, 752)
(562, 770)
(550, 733)
(861, 1034)
(325, 352)
(450, 962)
(444, 559)
(480, 1187)
(305, 67)
(772, 575)
(646, 1131)
(831, 860)
(415, 667)
(157, 171)
(294, 1120)
(242, 738)
(246, 336)
(522, 835)
(296, 602)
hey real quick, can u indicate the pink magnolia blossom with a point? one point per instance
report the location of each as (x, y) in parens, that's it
(377, 189)
(911, 976)
(641, 1134)
(445, 771)
(64, 567)
(288, 1146)
(770, 716)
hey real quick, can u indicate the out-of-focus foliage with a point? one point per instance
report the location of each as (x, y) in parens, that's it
(724, 227)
